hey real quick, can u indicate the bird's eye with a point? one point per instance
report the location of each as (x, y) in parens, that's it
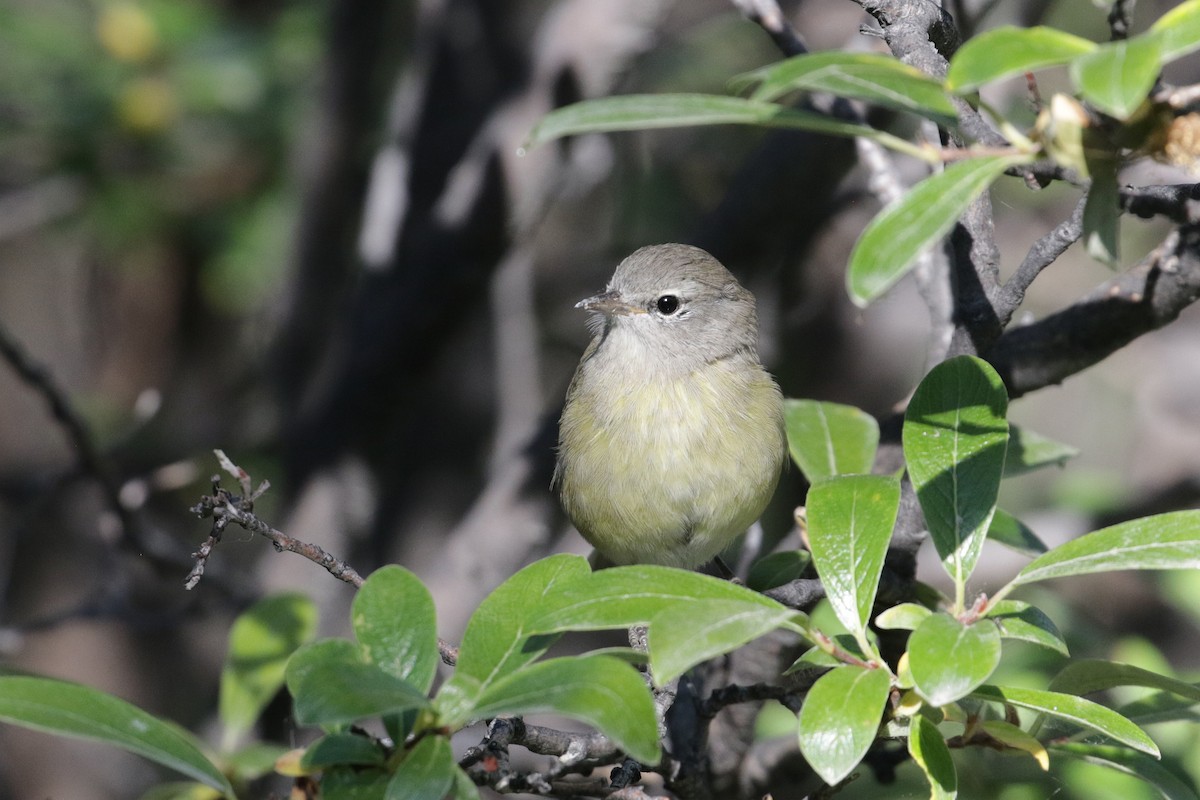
(667, 305)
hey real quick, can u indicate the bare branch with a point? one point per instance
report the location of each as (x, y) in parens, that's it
(1179, 203)
(1120, 19)
(768, 16)
(1045, 251)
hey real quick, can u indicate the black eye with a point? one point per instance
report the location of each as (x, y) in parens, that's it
(668, 304)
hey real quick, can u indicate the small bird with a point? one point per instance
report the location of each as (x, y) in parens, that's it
(671, 441)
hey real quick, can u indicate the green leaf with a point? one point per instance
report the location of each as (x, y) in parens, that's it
(1009, 50)
(254, 760)
(69, 709)
(1026, 623)
(1009, 531)
(1094, 675)
(1117, 76)
(904, 617)
(260, 643)
(1178, 31)
(464, 787)
(354, 783)
(1161, 707)
(396, 625)
(1130, 763)
(1102, 212)
(871, 77)
(683, 635)
(948, 659)
(928, 749)
(840, 719)
(850, 520)
(1163, 541)
(331, 685)
(1075, 710)
(499, 639)
(955, 438)
(342, 748)
(827, 439)
(889, 246)
(426, 773)
(635, 112)
(1028, 450)
(1012, 736)
(620, 597)
(777, 569)
(602, 691)
(179, 790)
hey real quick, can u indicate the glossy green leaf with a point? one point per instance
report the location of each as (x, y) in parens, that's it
(1178, 31)
(1026, 623)
(260, 643)
(777, 569)
(1009, 531)
(1008, 50)
(1012, 736)
(1075, 710)
(840, 719)
(1094, 675)
(619, 597)
(948, 659)
(1029, 450)
(602, 691)
(354, 783)
(1102, 212)
(396, 625)
(1163, 541)
(889, 246)
(1131, 763)
(955, 438)
(1161, 707)
(637, 112)
(426, 773)
(850, 520)
(871, 77)
(69, 709)
(499, 639)
(332, 685)
(1117, 76)
(342, 748)
(827, 439)
(684, 635)
(904, 617)
(928, 749)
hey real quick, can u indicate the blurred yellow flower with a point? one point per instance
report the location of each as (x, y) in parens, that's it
(127, 32)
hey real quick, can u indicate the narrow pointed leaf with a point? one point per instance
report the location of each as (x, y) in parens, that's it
(499, 639)
(827, 439)
(1012, 736)
(637, 112)
(1094, 675)
(928, 749)
(426, 773)
(70, 709)
(1117, 76)
(955, 438)
(684, 635)
(1163, 541)
(1161, 707)
(850, 520)
(948, 659)
(1029, 450)
(331, 686)
(1009, 50)
(870, 77)
(1102, 212)
(1178, 31)
(395, 623)
(840, 719)
(599, 690)
(777, 569)
(891, 243)
(1130, 763)
(260, 643)
(1009, 531)
(1026, 623)
(1075, 710)
(904, 617)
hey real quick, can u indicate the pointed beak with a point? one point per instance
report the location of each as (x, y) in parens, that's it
(609, 303)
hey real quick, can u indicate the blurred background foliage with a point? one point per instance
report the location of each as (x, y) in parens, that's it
(301, 232)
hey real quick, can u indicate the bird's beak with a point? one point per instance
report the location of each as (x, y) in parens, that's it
(609, 303)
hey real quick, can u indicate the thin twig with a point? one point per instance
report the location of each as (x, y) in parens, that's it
(1120, 19)
(768, 16)
(1044, 252)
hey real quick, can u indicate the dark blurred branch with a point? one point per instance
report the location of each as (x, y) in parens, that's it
(1120, 19)
(1112, 315)
(1179, 203)
(768, 16)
